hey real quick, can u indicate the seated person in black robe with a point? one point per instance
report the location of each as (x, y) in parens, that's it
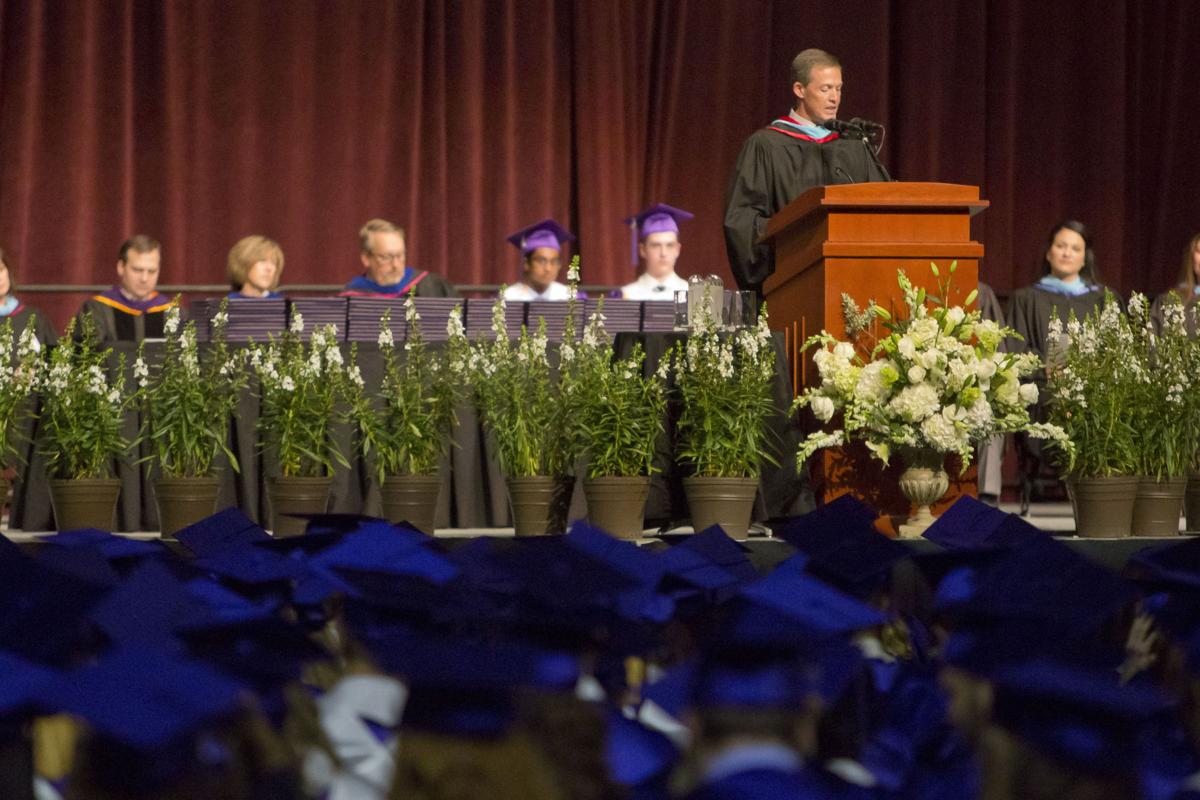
(1069, 284)
(1187, 289)
(132, 310)
(17, 312)
(785, 159)
(387, 274)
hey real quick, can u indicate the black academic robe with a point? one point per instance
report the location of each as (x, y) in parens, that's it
(773, 169)
(1030, 309)
(118, 323)
(24, 316)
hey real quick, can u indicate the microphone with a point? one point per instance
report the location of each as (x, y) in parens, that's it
(866, 124)
(842, 126)
(841, 173)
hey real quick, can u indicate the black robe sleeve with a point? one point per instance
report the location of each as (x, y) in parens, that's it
(748, 206)
(434, 285)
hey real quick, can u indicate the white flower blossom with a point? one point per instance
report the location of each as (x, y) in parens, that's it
(822, 407)
(297, 323)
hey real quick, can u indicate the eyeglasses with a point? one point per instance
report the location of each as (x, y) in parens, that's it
(542, 261)
(386, 257)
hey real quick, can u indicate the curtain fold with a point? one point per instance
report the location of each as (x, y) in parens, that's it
(200, 122)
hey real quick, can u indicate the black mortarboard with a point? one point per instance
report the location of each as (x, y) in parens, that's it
(970, 523)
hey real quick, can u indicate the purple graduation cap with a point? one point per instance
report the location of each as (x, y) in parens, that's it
(546, 233)
(657, 218)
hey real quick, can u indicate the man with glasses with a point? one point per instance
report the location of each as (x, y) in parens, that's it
(541, 260)
(387, 272)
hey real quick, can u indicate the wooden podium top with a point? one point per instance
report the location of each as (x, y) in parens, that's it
(895, 195)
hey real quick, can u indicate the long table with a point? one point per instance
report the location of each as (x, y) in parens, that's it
(473, 490)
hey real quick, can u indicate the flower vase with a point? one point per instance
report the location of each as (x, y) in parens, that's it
(1104, 505)
(184, 501)
(412, 499)
(1158, 505)
(616, 504)
(296, 495)
(728, 502)
(539, 504)
(1191, 503)
(924, 481)
(5, 486)
(84, 503)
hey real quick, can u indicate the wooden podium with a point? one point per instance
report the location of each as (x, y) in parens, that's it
(852, 238)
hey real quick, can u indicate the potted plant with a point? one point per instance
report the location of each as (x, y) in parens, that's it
(724, 383)
(1167, 409)
(304, 389)
(186, 402)
(406, 425)
(616, 414)
(936, 384)
(21, 367)
(519, 399)
(1093, 388)
(83, 404)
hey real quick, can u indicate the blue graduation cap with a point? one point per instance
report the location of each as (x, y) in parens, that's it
(224, 529)
(145, 608)
(21, 683)
(1080, 715)
(970, 523)
(634, 753)
(381, 547)
(110, 546)
(546, 233)
(144, 697)
(843, 546)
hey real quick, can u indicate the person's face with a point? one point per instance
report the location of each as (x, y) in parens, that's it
(660, 251)
(541, 268)
(387, 258)
(1066, 254)
(5, 281)
(139, 273)
(818, 100)
(260, 278)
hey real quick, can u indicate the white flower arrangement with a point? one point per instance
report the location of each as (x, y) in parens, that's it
(938, 382)
(187, 400)
(21, 369)
(303, 389)
(83, 405)
(406, 425)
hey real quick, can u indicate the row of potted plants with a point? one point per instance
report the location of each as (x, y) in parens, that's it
(1123, 387)
(552, 412)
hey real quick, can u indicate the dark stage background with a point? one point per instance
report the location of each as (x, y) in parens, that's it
(200, 122)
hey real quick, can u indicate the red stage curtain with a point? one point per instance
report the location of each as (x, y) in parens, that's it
(200, 122)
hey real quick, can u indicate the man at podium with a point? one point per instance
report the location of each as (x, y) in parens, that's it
(788, 157)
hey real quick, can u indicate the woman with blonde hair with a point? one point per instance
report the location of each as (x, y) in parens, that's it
(254, 268)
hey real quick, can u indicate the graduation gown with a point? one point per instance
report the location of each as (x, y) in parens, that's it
(23, 316)
(119, 319)
(1030, 309)
(777, 164)
(422, 283)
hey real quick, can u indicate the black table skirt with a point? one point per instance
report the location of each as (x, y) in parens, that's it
(473, 492)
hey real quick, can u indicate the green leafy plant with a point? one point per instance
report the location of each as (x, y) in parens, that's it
(407, 424)
(724, 381)
(936, 383)
(1092, 382)
(615, 410)
(21, 368)
(187, 399)
(83, 405)
(304, 389)
(519, 398)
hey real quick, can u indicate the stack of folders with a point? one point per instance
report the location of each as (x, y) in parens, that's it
(317, 312)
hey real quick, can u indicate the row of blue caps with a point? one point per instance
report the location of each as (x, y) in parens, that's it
(149, 646)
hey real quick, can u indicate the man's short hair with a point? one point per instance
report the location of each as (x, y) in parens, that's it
(248, 252)
(807, 60)
(376, 226)
(140, 243)
(4, 262)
